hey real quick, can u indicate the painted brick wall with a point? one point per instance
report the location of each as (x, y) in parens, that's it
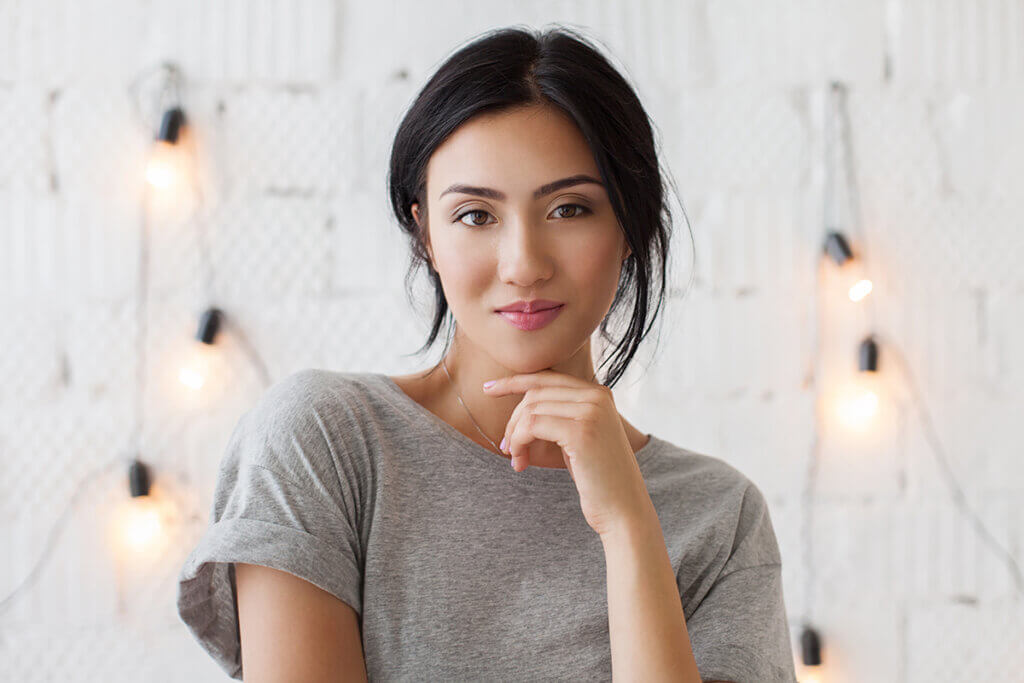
(293, 105)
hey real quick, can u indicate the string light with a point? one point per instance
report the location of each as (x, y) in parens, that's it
(167, 160)
(196, 367)
(856, 285)
(860, 404)
(138, 523)
(810, 655)
(138, 528)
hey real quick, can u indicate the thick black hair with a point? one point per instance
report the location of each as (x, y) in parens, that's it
(519, 66)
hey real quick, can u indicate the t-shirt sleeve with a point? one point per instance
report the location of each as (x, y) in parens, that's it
(739, 631)
(288, 496)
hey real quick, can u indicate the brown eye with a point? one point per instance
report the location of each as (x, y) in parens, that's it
(470, 213)
(582, 210)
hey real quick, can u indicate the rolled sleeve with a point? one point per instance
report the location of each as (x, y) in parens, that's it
(739, 630)
(279, 502)
(740, 633)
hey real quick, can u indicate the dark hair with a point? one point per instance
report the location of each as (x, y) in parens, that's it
(517, 66)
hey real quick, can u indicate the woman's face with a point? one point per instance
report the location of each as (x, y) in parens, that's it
(496, 234)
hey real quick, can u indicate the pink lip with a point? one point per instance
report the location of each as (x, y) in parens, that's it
(531, 321)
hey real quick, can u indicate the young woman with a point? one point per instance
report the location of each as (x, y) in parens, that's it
(424, 527)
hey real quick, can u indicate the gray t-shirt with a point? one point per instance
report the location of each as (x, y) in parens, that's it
(461, 568)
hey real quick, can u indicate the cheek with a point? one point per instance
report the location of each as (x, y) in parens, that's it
(464, 272)
(598, 264)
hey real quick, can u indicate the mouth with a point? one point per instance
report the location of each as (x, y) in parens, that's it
(531, 321)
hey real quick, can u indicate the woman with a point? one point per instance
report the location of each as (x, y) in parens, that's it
(371, 526)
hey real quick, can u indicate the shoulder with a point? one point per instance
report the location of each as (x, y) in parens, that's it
(309, 386)
(718, 514)
(312, 418)
(709, 492)
(699, 474)
(311, 394)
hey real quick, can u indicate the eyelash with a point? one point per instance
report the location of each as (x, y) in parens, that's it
(458, 219)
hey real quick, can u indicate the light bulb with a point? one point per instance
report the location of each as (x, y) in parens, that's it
(857, 403)
(809, 674)
(853, 280)
(165, 165)
(139, 526)
(860, 289)
(197, 364)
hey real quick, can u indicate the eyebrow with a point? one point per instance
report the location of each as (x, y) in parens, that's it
(537, 194)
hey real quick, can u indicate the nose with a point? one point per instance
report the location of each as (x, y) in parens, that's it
(523, 253)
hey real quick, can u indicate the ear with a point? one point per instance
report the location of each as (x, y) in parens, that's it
(628, 253)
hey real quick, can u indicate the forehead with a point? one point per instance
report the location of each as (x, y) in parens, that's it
(514, 151)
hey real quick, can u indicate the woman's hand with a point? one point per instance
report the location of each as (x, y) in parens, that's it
(580, 417)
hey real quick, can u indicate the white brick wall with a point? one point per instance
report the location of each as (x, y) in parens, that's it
(293, 105)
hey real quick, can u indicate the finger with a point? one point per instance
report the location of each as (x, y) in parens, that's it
(519, 384)
(536, 427)
(571, 408)
(541, 394)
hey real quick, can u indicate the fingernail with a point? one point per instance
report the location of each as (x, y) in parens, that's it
(512, 462)
(502, 446)
(488, 385)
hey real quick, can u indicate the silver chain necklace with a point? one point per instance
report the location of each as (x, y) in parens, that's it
(444, 364)
(459, 396)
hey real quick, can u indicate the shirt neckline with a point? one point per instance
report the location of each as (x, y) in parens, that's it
(543, 475)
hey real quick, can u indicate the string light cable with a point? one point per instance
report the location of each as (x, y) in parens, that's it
(51, 538)
(838, 124)
(917, 398)
(138, 473)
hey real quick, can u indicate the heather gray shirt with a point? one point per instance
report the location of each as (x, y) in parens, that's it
(461, 568)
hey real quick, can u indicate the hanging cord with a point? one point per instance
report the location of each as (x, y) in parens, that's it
(51, 539)
(956, 489)
(841, 121)
(807, 495)
(846, 148)
(143, 115)
(838, 126)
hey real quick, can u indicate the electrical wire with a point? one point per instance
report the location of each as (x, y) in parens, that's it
(838, 125)
(842, 117)
(172, 81)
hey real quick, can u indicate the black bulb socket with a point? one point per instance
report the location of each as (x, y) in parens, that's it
(838, 248)
(810, 647)
(209, 325)
(138, 478)
(170, 125)
(868, 355)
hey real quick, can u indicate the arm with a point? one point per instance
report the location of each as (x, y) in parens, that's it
(648, 633)
(292, 630)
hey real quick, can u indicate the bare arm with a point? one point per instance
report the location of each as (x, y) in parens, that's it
(648, 633)
(292, 630)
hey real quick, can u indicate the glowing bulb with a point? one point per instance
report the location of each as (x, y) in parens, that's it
(142, 528)
(195, 369)
(860, 290)
(856, 409)
(809, 675)
(139, 525)
(853, 280)
(165, 165)
(857, 405)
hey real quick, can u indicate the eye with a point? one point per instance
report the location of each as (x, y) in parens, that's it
(582, 210)
(470, 212)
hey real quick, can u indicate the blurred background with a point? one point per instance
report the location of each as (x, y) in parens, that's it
(193, 205)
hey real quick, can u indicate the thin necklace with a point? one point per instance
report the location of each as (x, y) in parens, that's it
(444, 364)
(459, 396)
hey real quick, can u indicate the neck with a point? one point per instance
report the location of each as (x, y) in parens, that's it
(469, 369)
